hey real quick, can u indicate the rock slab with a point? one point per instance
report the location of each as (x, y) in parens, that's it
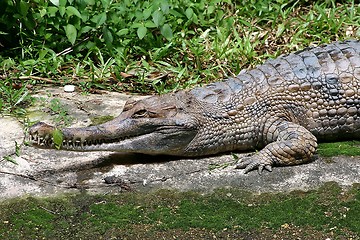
(40, 172)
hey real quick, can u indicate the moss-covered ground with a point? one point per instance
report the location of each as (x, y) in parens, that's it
(346, 148)
(328, 212)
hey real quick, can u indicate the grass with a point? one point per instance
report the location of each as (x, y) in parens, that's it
(325, 212)
(346, 148)
(14, 97)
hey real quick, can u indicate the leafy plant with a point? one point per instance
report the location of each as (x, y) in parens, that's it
(57, 137)
(122, 44)
(84, 24)
(10, 157)
(60, 111)
(13, 96)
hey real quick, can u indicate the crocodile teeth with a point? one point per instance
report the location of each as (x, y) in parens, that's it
(78, 143)
(47, 140)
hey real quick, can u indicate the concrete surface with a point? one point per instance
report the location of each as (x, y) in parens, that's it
(40, 172)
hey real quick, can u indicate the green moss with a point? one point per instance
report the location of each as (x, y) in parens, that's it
(133, 213)
(100, 119)
(347, 148)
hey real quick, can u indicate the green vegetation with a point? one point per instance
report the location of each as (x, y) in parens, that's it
(57, 137)
(58, 110)
(154, 46)
(13, 97)
(346, 148)
(326, 212)
(96, 120)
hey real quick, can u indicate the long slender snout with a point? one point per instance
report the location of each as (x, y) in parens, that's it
(150, 136)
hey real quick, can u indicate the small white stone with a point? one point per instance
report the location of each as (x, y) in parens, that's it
(69, 88)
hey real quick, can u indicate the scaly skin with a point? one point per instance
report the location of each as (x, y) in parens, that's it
(281, 107)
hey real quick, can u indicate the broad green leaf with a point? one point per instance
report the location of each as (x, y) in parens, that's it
(146, 13)
(165, 7)
(90, 2)
(139, 15)
(189, 13)
(99, 19)
(70, 11)
(166, 31)
(29, 62)
(62, 3)
(71, 33)
(194, 18)
(30, 24)
(175, 13)
(90, 45)
(42, 12)
(141, 32)
(150, 24)
(48, 36)
(51, 11)
(24, 8)
(158, 18)
(105, 3)
(42, 53)
(62, 10)
(85, 30)
(84, 16)
(55, 2)
(107, 36)
(210, 9)
(122, 32)
(57, 138)
(136, 25)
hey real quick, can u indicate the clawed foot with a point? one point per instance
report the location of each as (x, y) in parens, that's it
(254, 162)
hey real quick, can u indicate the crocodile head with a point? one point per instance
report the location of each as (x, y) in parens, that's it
(155, 125)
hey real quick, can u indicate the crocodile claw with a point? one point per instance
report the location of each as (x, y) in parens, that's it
(249, 164)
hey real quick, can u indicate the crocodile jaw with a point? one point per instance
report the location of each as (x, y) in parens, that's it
(119, 135)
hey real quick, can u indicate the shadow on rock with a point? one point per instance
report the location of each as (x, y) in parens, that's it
(133, 159)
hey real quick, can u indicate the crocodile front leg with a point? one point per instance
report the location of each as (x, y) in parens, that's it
(289, 144)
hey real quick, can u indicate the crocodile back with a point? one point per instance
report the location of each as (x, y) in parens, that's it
(319, 88)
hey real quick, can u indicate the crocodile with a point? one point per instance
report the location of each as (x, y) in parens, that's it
(280, 108)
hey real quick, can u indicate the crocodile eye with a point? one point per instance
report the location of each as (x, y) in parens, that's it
(152, 114)
(140, 114)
